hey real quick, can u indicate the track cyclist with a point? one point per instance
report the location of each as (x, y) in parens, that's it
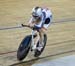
(40, 20)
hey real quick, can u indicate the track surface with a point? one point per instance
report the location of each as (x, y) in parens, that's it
(61, 34)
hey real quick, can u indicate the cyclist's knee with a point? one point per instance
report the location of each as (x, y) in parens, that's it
(43, 30)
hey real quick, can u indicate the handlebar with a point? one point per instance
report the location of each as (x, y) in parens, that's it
(24, 25)
(27, 26)
(33, 28)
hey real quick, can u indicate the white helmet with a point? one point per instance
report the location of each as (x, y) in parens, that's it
(37, 12)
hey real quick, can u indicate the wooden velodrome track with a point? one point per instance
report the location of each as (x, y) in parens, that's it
(61, 33)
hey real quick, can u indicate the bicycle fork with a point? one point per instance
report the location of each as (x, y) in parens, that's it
(33, 45)
(33, 41)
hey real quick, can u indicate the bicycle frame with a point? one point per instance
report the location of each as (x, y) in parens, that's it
(32, 41)
(29, 43)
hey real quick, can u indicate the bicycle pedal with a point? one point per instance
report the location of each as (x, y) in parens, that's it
(32, 49)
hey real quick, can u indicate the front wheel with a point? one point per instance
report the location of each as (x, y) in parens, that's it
(24, 48)
(37, 53)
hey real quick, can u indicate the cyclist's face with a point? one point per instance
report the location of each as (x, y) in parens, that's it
(38, 19)
(35, 17)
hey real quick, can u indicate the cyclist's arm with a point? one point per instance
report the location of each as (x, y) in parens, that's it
(31, 22)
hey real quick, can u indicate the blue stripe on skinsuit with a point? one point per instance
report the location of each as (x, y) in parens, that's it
(44, 16)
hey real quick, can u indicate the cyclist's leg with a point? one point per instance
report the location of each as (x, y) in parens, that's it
(41, 37)
(38, 38)
(35, 40)
(43, 31)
